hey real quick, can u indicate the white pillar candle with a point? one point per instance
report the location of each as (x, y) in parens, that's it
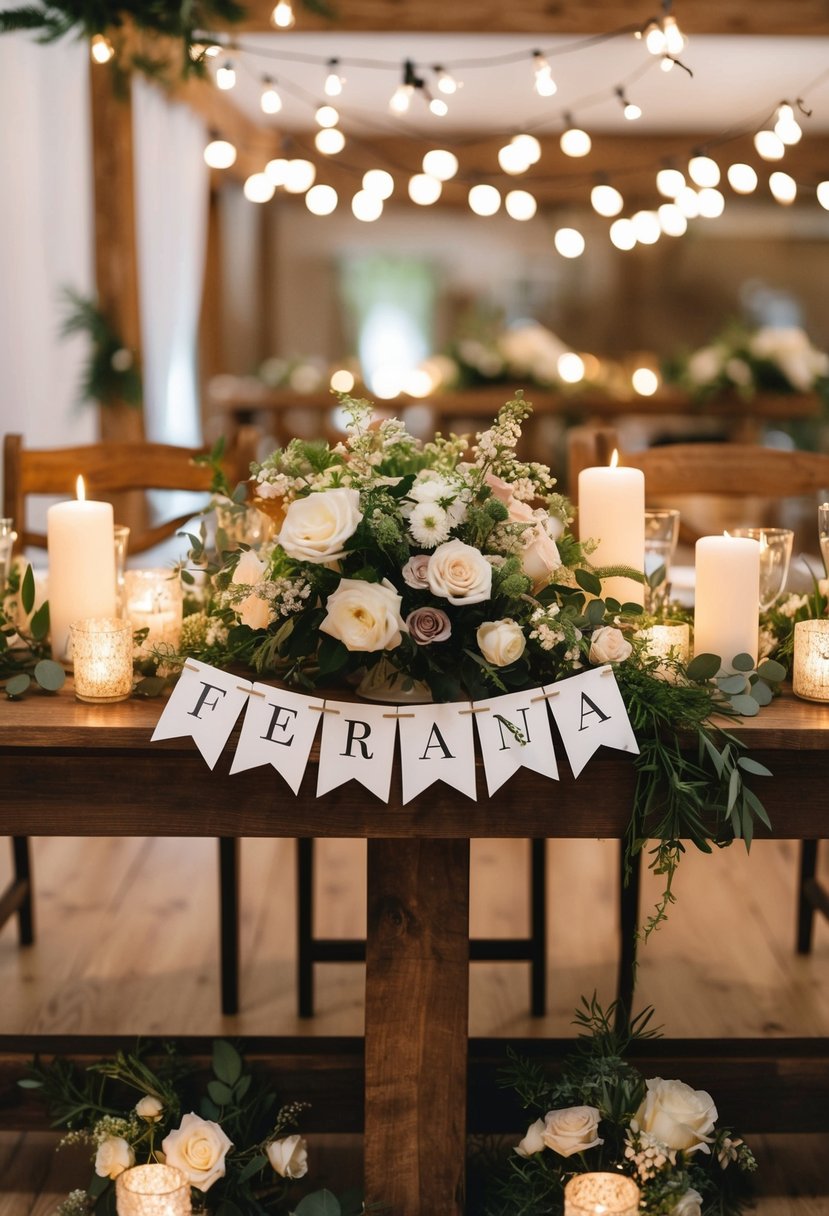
(612, 512)
(727, 597)
(80, 541)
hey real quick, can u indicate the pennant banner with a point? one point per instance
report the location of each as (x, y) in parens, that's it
(278, 729)
(436, 744)
(590, 713)
(204, 704)
(357, 744)
(514, 732)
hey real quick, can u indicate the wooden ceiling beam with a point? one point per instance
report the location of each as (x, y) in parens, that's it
(759, 17)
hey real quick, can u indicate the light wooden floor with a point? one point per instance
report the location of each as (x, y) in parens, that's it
(127, 943)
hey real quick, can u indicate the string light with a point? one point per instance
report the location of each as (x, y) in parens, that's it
(669, 182)
(544, 85)
(512, 159)
(645, 381)
(327, 116)
(438, 106)
(622, 234)
(226, 76)
(299, 176)
(366, 207)
(101, 49)
(321, 200)
(484, 200)
(276, 170)
(655, 39)
(822, 193)
(570, 367)
(257, 188)
(629, 109)
(342, 380)
(424, 189)
(440, 164)
(711, 203)
(646, 227)
(379, 183)
(688, 202)
(529, 146)
(520, 205)
(674, 38)
(270, 101)
(783, 188)
(703, 171)
(787, 128)
(220, 154)
(742, 178)
(401, 98)
(769, 145)
(665, 36)
(606, 200)
(569, 242)
(283, 16)
(671, 220)
(574, 141)
(329, 141)
(334, 82)
(446, 82)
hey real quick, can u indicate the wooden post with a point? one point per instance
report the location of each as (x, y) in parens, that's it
(417, 996)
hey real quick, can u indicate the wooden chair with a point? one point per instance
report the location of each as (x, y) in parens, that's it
(731, 471)
(111, 471)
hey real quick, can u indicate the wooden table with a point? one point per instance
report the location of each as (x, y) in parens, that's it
(83, 770)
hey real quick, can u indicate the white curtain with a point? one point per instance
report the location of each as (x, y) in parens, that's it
(172, 196)
(46, 240)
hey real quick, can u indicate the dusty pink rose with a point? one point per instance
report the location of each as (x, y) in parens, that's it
(427, 625)
(501, 489)
(414, 572)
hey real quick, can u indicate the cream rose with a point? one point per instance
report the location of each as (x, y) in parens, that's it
(609, 645)
(364, 616)
(571, 1130)
(533, 1142)
(316, 528)
(149, 1108)
(459, 573)
(689, 1204)
(198, 1148)
(680, 1117)
(114, 1156)
(252, 611)
(289, 1157)
(501, 642)
(249, 569)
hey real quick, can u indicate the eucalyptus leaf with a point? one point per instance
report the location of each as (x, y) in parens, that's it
(253, 1167)
(703, 667)
(757, 806)
(210, 1110)
(27, 591)
(17, 685)
(772, 671)
(220, 1093)
(49, 675)
(30, 1083)
(731, 684)
(745, 705)
(748, 765)
(734, 782)
(150, 686)
(595, 612)
(39, 624)
(761, 692)
(318, 1203)
(742, 662)
(630, 609)
(589, 582)
(227, 1063)
(241, 1087)
(657, 576)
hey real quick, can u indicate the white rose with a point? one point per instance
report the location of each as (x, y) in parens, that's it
(539, 552)
(114, 1156)
(198, 1148)
(680, 1117)
(690, 1204)
(571, 1130)
(533, 1142)
(254, 612)
(249, 568)
(149, 1108)
(364, 616)
(501, 642)
(459, 573)
(609, 645)
(289, 1157)
(316, 528)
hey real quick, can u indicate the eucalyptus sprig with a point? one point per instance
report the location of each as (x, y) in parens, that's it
(25, 656)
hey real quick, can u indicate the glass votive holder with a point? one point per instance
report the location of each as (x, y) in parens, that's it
(601, 1195)
(668, 640)
(155, 602)
(102, 657)
(810, 667)
(152, 1190)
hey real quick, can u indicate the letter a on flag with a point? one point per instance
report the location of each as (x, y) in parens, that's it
(590, 713)
(436, 744)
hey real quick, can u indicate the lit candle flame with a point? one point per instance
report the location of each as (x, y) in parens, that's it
(80, 489)
(614, 459)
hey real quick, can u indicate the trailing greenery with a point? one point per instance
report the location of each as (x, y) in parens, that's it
(111, 375)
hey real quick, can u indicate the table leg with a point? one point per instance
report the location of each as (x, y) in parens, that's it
(417, 996)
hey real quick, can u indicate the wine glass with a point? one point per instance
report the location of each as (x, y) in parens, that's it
(775, 555)
(661, 536)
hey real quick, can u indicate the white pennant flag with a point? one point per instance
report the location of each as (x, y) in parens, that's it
(357, 743)
(278, 729)
(204, 704)
(590, 713)
(502, 751)
(437, 744)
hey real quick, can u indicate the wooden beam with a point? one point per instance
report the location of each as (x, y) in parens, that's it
(801, 17)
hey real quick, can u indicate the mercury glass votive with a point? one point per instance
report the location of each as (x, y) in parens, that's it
(810, 669)
(102, 657)
(601, 1195)
(152, 1190)
(670, 640)
(155, 602)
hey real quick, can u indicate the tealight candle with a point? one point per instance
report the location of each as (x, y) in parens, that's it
(727, 597)
(154, 602)
(80, 541)
(810, 669)
(612, 512)
(152, 1190)
(102, 656)
(601, 1195)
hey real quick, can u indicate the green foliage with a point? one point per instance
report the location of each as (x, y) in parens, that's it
(111, 375)
(25, 657)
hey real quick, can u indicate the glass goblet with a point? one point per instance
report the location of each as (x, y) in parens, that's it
(661, 536)
(775, 555)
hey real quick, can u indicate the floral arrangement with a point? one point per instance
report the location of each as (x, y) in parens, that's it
(239, 1149)
(747, 362)
(777, 624)
(602, 1114)
(411, 567)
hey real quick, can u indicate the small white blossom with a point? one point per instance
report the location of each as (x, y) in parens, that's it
(429, 525)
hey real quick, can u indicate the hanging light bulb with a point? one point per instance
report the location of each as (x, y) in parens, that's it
(669, 182)
(327, 116)
(321, 200)
(440, 164)
(574, 141)
(484, 199)
(299, 176)
(226, 76)
(545, 86)
(513, 159)
(646, 227)
(823, 195)
(101, 49)
(424, 189)
(257, 188)
(674, 38)
(220, 154)
(530, 148)
(438, 106)
(622, 234)
(783, 188)
(277, 170)
(366, 207)
(329, 141)
(742, 178)
(378, 182)
(270, 101)
(703, 171)
(446, 81)
(520, 205)
(688, 202)
(401, 98)
(283, 15)
(606, 200)
(570, 367)
(671, 220)
(769, 145)
(569, 242)
(334, 82)
(629, 109)
(655, 39)
(667, 64)
(787, 128)
(711, 203)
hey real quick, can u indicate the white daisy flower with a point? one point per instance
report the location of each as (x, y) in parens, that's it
(429, 524)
